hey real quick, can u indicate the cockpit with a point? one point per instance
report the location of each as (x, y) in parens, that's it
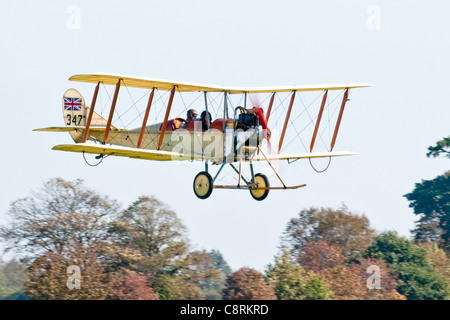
(243, 119)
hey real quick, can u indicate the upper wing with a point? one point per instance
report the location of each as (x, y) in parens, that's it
(123, 152)
(166, 85)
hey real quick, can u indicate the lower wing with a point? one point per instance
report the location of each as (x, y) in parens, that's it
(306, 155)
(161, 155)
(119, 151)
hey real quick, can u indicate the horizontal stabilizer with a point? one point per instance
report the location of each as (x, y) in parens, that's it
(306, 155)
(77, 129)
(119, 151)
(60, 129)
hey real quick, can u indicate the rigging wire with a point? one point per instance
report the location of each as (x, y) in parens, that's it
(160, 100)
(214, 104)
(307, 125)
(93, 165)
(187, 107)
(139, 113)
(324, 128)
(320, 171)
(109, 98)
(292, 122)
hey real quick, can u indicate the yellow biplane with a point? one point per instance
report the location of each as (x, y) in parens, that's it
(235, 136)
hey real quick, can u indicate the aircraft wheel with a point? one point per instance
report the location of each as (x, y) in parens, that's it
(203, 185)
(258, 193)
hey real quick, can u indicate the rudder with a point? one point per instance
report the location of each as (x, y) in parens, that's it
(74, 112)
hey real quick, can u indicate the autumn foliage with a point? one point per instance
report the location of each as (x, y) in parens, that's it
(247, 284)
(143, 253)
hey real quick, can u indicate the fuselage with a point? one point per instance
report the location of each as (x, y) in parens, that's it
(214, 144)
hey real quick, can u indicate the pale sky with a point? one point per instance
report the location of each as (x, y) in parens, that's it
(401, 47)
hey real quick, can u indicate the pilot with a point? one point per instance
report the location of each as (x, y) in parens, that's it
(191, 115)
(206, 120)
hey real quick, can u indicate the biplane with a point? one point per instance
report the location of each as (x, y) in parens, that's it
(239, 134)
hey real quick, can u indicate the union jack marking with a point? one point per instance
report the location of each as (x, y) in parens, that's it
(72, 104)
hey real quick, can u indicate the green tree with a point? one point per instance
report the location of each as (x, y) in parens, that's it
(417, 279)
(247, 284)
(442, 147)
(430, 200)
(219, 262)
(12, 278)
(348, 231)
(208, 271)
(439, 258)
(291, 282)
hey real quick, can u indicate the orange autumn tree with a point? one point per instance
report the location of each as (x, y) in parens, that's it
(349, 231)
(247, 284)
(133, 287)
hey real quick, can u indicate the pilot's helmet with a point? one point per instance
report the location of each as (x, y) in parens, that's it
(204, 117)
(192, 113)
(206, 120)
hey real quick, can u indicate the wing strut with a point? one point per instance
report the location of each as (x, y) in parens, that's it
(322, 106)
(91, 112)
(111, 112)
(208, 121)
(286, 121)
(338, 123)
(166, 118)
(225, 110)
(270, 107)
(144, 123)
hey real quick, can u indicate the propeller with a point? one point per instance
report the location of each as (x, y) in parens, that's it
(262, 120)
(266, 131)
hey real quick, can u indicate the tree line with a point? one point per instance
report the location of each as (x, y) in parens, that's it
(70, 242)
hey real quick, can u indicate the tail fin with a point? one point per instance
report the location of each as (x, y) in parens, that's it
(76, 113)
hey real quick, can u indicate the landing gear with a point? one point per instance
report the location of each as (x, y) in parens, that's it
(258, 185)
(260, 192)
(203, 185)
